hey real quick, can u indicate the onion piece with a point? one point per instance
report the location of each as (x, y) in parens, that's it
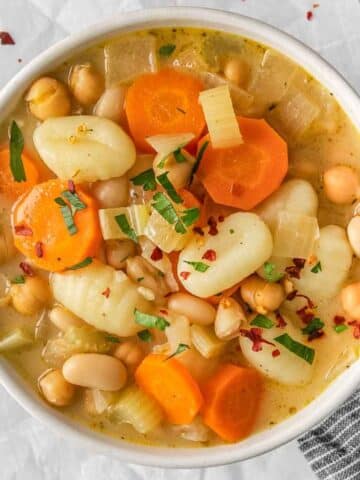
(137, 216)
(168, 143)
(295, 235)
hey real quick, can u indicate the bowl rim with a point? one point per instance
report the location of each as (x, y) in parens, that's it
(339, 389)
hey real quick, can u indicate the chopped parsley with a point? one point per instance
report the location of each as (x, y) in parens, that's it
(169, 187)
(302, 351)
(270, 272)
(262, 321)
(67, 215)
(199, 157)
(198, 266)
(16, 148)
(231, 231)
(179, 156)
(112, 338)
(125, 227)
(145, 336)
(140, 279)
(190, 216)
(18, 279)
(150, 321)
(340, 328)
(315, 325)
(166, 50)
(180, 349)
(165, 208)
(74, 200)
(317, 268)
(87, 261)
(146, 179)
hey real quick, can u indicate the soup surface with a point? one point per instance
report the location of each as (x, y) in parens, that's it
(179, 237)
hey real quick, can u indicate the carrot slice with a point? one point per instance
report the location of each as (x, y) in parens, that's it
(163, 102)
(231, 401)
(8, 186)
(40, 231)
(243, 176)
(171, 384)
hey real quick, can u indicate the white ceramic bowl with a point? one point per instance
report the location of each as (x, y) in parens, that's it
(340, 389)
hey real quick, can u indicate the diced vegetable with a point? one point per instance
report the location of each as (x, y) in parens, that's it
(170, 383)
(57, 350)
(137, 216)
(155, 104)
(16, 340)
(82, 292)
(137, 408)
(11, 188)
(231, 401)
(87, 339)
(220, 117)
(244, 175)
(178, 332)
(120, 54)
(295, 235)
(168, 143)
(97, 402)
(206, 342)
(242, 244)
(85, 148)
(294, 196)
(190, 59)
(55, 241)
(195, 431)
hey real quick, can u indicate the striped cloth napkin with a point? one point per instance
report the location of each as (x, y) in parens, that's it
(333, 448)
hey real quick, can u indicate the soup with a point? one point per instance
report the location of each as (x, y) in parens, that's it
(179, 237)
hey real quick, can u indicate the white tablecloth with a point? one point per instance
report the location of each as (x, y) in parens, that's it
(28, 449)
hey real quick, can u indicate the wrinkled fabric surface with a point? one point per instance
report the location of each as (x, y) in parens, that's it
(28, 449)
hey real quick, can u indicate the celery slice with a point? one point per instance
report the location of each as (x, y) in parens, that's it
(16, 340)
(137, 215)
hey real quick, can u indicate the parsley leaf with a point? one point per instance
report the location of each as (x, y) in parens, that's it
(145, 335)
(74, 200)
(150, 321)
(169, 187)
(262, 321)
(146, 179)
(180, 349)
(179, 156)
(67, 215)
(190, 216)
(87, 261)
(125, 227)
(302, 351)
(313, 326)
(317, 268)
(16, 148)
(198, 266)
(270, 273)
(165, 208)
(340, 328)
(166, 50)
(18, 279)
(199, 157)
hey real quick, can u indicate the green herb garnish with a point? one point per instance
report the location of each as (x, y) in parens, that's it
(270, 273)
(180, 349)
(67, 215)
(16, 148)
(179, 156)
(169, 187)
(112, 339)
(74, 200)
(317, 268)
(165, 208)
(87, 261)
(302, 351)
(198, 159)
(190, 216)
(145, 336)
(140, 279)
(146, 179)
(231, 231)
(262, 321)
(166, 50)
(125, 227)
(313, 326)
(340, 328)
(18, 279)
(198, 266)
(150, 321)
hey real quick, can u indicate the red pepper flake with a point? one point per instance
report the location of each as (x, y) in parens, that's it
(184, 275)
(39, 252)
(199, 231)
(221, 218)
(164, 312)
(25, 267)
(339, 320)
(295, 294)
(156, 255)
(316, 334)
(213, 226)
(275, 353)
(294, 270)
(356, 328)
(309, 15)
(106, 292)
(209, 255)
(281, 321)
(6, 39)
(306, 314)
(23, 230)
(254, 334)
(71, 186)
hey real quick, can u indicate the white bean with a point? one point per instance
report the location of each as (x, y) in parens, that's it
(195, 309)
(94, 370)
(142, 272)
(229, 318)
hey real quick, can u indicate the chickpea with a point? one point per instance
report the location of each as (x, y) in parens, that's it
(56, 389)
(138, 268)
(179, 173)
(341, 184)
(111, 104)
(353, 231)
(195, 309)
(86, 84)
(112, 193)
(63, 319)
(30, 297)
(47, 98)
(236, 71)
(350, 300)
(95, 370)
(130, 353)
(229, 318)
(260, 295)
(118, 251)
